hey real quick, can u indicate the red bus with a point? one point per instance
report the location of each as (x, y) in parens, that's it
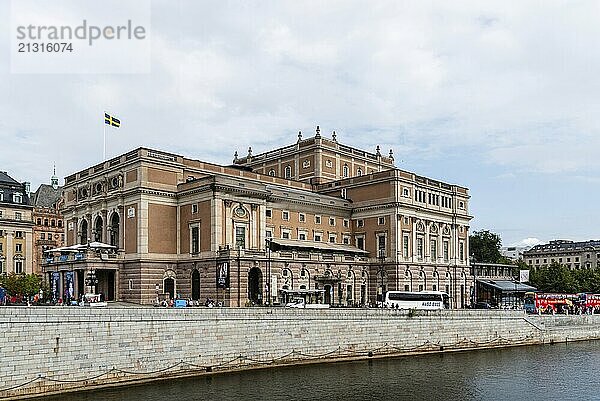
(589, 303)
(540, 302)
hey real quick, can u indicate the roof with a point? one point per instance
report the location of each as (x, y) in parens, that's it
(506, 285)
(6, 179)
(46, 196)
(558, 246)
(322, 246)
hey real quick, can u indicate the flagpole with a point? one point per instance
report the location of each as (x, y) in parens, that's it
(104, 152)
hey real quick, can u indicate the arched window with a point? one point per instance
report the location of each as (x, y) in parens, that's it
(359, 172)
(345, 171)
(272, 173)
(288, 172)
(52, 223)
(46, 222)
(60, 223)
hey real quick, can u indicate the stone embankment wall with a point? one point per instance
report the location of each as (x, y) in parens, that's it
(56, 349)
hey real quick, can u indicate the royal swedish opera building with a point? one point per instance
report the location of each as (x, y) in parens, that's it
(315, 216)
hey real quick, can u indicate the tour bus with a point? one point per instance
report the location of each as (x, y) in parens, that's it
(416, 300)
(589, 303)
(540, 302)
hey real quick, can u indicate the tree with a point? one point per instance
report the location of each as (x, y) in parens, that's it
(485, 247)
(21, 284)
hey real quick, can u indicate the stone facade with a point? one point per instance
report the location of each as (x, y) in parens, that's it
(199, 230)
(16, 227)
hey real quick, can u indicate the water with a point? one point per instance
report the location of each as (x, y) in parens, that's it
(551, 372)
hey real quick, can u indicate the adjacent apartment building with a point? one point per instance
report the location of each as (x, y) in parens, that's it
(574, 255)
(315, 217)
(16, 226)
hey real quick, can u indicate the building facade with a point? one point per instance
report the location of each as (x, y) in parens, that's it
(199, 230)
(16, 226)
(574, 255)
(48, 227)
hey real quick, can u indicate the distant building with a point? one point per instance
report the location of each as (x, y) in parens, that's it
(513, 252)
(574, 255)
(48, 229)
(16, 226)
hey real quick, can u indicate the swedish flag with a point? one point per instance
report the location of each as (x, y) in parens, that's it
(112, 121)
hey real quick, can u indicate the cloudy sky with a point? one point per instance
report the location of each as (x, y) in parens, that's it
(501, 97)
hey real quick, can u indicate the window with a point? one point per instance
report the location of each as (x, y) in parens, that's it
(39, 221)
(405, 192)
(461, 205)
(17, 198)
(301, 217)
(445, 250)
(318, 237)
(381, 221)
(568, 259)
(288, 172)
(360, 223)
(317, 219)
(285, 215)
(346, 240)
(332, 238)
(18, 216)
(587, 256)
(194, 208)
(43, 236)
(420, 247)
(285, 234)
(331, 221)
(46, 222)
(302, 236)
(461, 251)
(18, 266)
(306, 164)
(344, 193)
(62, 237)
(60, 223)
(240, 237)
(18, 234)
(381, 244)
(405, 245)
(576, 259)
(433, 249)
(130, 284)
(346, 223)
(272, 173)
(345, 171)
(284, 272)
(359, 172)
(18, 248)
(269, 234)
(360, 243)
(195, 239)
(303, 273)
(52, 223)
(269, 213)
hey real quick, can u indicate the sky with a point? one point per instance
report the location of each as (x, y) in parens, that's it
(501, 97)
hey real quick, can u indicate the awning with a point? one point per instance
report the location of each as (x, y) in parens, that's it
(506, 285)
(321, 246)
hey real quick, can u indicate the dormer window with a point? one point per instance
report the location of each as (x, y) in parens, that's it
(17, 198)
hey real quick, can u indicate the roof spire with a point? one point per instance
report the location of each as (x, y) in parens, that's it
(299, 136)
(334, 136)
(54, 179)
(378, 151)
(391, 155)
(318, 131)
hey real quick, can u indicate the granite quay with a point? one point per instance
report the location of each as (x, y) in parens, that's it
(75, 349)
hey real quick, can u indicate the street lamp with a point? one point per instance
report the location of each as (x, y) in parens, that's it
(381, 257)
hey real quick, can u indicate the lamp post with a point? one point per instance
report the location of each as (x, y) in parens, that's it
(381, 257)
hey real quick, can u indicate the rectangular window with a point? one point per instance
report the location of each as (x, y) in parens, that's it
(433, 249)
(18, 248)
(332, 239)
(18, 216)
(347, 224)
(405, 246)
(43, 236)
(194, 208)
(568, 260)
(285, 215)
(318, 237)
(461, 251)
(269, 213)
(346, 240)
(240, 237)
(360, 223)
(301, 217)
(381, 221)
(195, 239)
(302, 236)
(18, 266)
(445, 250)
(0, 214)
(317, 219)
(269, 234)
(285, 234)
(420, 247)
(18, 234)
(381, 245)
(331, 221)
(360, 243)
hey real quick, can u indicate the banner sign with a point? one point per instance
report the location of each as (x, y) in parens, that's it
(69, 285)
(223, 275)
(55, 286)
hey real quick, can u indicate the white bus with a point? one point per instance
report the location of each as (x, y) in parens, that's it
(416, 300)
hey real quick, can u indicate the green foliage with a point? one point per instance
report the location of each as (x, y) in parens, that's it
(485, 247)
(21, 284)
(559, 278)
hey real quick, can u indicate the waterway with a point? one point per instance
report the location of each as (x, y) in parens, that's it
(550, 372)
